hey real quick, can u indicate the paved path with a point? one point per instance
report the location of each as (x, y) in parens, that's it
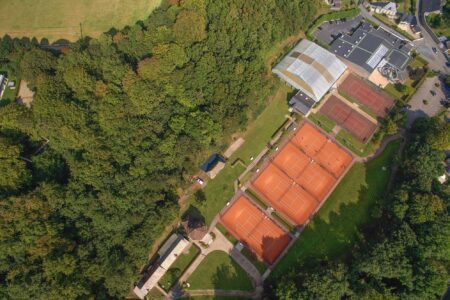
(383, 145)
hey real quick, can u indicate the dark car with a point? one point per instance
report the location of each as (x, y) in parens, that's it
(434, 50)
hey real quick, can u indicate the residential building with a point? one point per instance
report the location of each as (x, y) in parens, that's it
(387, 8)
(167, 255)
(409, 24)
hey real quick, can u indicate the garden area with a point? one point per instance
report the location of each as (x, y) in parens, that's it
(9, 95)
(351, 207)
(219, 271)
(179, 266)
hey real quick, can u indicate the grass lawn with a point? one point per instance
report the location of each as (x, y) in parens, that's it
(216, 298)
(58, 19)
(179, 266)
(220, 189)
(336, 227)
(354, 145)
(322, 121)
(219, 271)
(155, 294)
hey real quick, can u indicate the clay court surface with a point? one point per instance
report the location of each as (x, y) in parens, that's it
(255, 229)
(348, 118)
(302, 174)
(359, 90)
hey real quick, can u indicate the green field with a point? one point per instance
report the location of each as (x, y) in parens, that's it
(219, 271)
(220, 189)
(338, 224)
(322, 121)
(61, 19)
(176, 270)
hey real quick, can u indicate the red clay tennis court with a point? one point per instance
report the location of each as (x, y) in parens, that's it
(309, 139)
(359, 90)
(255, 229)
(297, 205)
(292, 160)
(333, 158)
(348, 118)
(317, 181)
(272, 183)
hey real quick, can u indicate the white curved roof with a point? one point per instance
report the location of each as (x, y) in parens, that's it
(310, 68)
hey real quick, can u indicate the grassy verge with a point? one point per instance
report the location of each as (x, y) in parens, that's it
(219, 271)
(322, 121)
(351, 207)
(276, 216)
(155, 294)
(355, 145)
(226, 233)
(360, 105)
(256, 199)
(179, 266)
(220, 189)
(254, 260)
(438, 24)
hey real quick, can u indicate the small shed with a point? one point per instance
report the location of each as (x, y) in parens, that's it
(213, 165)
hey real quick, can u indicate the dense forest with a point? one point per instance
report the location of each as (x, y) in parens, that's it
(406, 254)
(89, 173)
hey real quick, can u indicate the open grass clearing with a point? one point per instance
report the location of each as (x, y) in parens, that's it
(354, 145)
(220, 189)
(219, 271)
(338, 224)
(179, 266)
(155, 294)
(61, 19)
(322, 121)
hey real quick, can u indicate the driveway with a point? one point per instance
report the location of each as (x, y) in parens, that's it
(418, 108)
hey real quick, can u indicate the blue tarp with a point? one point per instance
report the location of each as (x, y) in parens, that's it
(212, 162)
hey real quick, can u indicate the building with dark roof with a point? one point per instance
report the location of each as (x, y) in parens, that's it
(370, 48)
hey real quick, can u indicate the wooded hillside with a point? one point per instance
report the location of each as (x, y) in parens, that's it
(128, 117)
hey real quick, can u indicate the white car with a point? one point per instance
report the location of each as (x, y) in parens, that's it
(200, 181)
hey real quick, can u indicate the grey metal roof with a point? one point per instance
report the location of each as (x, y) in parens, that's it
(310, 68)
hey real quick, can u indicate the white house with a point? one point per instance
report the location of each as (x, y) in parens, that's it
(387, 8)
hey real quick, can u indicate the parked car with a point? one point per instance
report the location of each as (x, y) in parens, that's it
(434, 50)
(433, 93)
(199, 180)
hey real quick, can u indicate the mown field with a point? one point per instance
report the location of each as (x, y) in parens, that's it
(63, 19)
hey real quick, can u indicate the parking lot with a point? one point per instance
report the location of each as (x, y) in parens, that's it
(434, 97)
(329, 31)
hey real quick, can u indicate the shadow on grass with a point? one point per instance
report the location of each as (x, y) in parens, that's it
(350, 212)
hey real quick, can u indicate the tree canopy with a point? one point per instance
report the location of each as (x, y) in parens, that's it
(116, 125)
